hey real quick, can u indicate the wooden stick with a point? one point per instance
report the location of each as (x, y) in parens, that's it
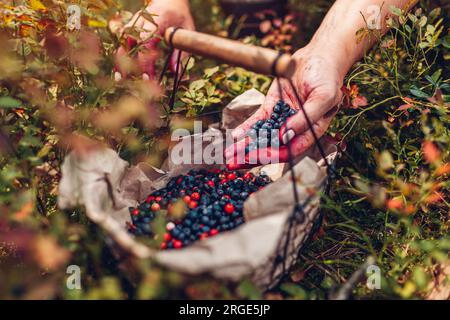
(257, 59)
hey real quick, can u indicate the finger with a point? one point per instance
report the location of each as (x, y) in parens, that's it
(174, 60)
(243, 128)
(301, 143)
(237, 148)
(257, 157)
(147, 57)
(120, 71)
(318, 104)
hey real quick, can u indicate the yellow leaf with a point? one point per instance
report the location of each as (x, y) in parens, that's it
(37, 5)
(96, 23)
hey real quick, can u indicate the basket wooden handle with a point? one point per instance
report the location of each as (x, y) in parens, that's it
(257, 59)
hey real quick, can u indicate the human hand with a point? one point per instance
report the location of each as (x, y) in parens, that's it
(318, 80)
(166, 14)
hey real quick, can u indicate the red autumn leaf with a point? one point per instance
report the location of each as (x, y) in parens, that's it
(359, 101)
(405, 106)
(394, 204)
(434, 197)
(443, 170)
(409, 100)
(24, 212)
(430, 152)
(265, 26)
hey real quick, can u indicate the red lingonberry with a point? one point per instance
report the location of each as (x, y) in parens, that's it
(203, 236)
(186, 199)
(231, 176)
(213, 232)
(248, 175)
(150, 199)
(195, 196)
(135, 212)
(229, 208)
(167, 236)
(163, 245)
(158, 199)
(211, 183)
(192, 204)
(177, 244)
(179, 180)
(155, 207)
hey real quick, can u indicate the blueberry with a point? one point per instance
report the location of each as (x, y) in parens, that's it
(244, 195)
(252, 146)
(146, 228)
(146, 220)
(259, 123)
(276, 109)
(252, 133)
(262, 142)
(275, 142)
(224, 219)
(212, 223)
(204, 219)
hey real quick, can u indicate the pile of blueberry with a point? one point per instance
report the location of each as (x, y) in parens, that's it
(213, 200)
(261, 132)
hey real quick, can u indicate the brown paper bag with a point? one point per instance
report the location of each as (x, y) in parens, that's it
(106, 185)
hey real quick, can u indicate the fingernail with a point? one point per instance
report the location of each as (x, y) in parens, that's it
(288, 135)
(117, 76)
(145, 76)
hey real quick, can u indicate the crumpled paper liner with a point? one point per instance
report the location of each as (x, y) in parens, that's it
(106, 185)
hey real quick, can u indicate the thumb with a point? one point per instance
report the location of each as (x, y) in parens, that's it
(319, 104)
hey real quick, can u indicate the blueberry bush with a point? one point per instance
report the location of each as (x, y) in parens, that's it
(388, 201)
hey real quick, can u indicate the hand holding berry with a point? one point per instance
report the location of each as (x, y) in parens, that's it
(318, 81)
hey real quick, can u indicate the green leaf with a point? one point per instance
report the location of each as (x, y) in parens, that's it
(197, 85)
(9, 102)
(386, 161)
(248, 290)
(210, 71)
(436, 75)
(418, 93)
(396, 11)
